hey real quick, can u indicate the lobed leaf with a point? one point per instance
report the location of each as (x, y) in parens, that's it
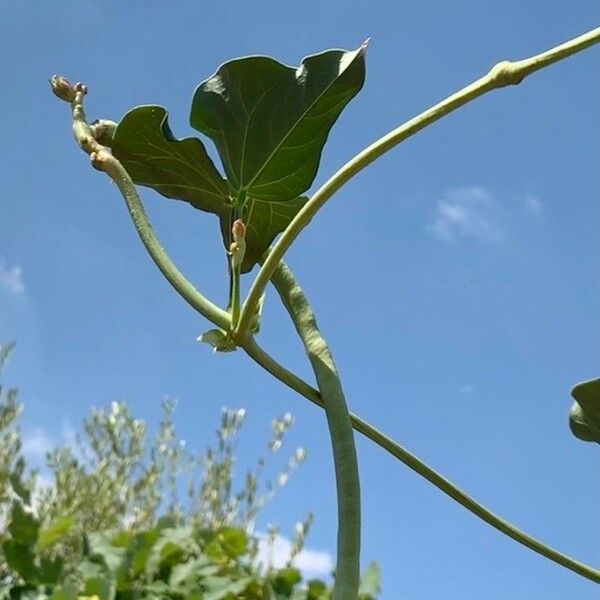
(181, 169)
(270, 121)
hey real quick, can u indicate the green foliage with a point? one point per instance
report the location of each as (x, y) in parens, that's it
(584, 418)
(11, 463)
(167, 561)
(269, 123)
(114, 523)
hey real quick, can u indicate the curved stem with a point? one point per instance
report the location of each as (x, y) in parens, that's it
(340, 428)
(108, 163)
(103, 160)
(410, 460)
(503, 74)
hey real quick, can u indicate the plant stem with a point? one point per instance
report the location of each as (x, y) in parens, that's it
(406, 457)
(340, 428)
(503, 74)
(103, 160)
(235, 296)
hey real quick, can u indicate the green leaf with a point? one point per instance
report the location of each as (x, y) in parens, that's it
(23, 525)
(92, 567)
(180, 169)
(317, 590)
(370, 584)
(101, 546)
(186, 575)
(54, 531)
(21, 559)
(51, 570)
(270, 121)
(233, 541)
(103, 587)
(142, 547)
(264, 220)
(172, 545)
(65, 592)
(584, 418)
(284, 580)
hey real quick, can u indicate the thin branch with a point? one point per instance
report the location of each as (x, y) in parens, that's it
(418, 466)
(102, 159)
(503, 74)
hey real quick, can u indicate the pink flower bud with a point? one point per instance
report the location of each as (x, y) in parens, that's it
(62, 88)
(238, 229)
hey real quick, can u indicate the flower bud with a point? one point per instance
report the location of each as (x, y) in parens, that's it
(62, 88)
(238, 229)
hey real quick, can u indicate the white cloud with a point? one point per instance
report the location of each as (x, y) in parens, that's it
(11, 278)
(37, 444)
(467, 212)
(313, 563)
(533, 205)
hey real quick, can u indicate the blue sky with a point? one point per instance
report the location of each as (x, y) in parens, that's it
(466, 310)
